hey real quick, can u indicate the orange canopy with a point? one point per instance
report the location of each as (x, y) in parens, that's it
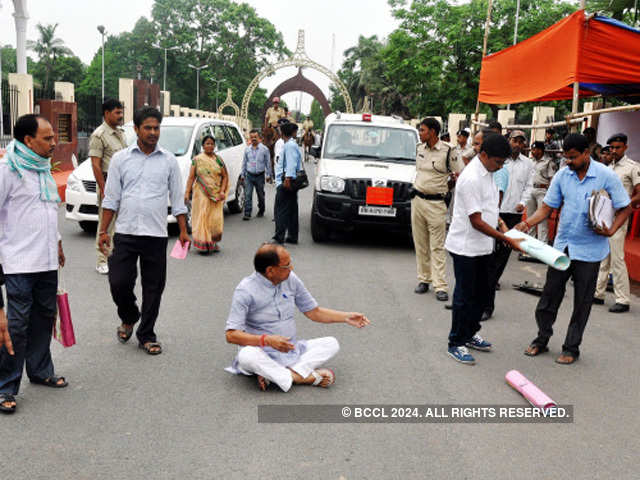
(600, 53)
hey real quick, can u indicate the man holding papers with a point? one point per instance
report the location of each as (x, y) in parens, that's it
(570, 189)
(629, 173)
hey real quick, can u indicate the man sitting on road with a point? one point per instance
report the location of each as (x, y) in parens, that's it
(262, 322)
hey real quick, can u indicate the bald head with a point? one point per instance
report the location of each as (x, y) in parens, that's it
(268, 255)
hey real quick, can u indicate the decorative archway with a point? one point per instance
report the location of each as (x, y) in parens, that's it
(229, 103)
(299, 59)
(299, 83)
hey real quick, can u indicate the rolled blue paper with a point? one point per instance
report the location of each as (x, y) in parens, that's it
(540, 250)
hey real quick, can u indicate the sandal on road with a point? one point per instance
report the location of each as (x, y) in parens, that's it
(124, 333)
(7, 398)
(535, 350)
(53, 382)
(152, 348)
(321, 374)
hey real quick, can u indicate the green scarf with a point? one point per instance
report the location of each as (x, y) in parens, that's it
(20, 158)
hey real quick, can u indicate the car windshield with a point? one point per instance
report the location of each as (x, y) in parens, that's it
(371, 142)
(176, 139)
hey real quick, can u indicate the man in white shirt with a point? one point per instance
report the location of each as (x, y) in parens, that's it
(470, 243)
(31, 251)
(521, 171)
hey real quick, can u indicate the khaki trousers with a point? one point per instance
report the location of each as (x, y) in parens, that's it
(537, 195)
(428, 224)
(616, 264)
(101, 259)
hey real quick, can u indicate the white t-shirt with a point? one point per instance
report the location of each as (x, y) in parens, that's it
(521, 172)
(277, 149)
(475, 192)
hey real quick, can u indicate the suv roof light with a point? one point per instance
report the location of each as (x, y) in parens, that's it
(366, 117)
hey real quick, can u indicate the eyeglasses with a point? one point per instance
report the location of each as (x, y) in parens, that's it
(288, 266)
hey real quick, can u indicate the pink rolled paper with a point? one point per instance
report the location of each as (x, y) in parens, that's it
(179, 251)
(528, 390)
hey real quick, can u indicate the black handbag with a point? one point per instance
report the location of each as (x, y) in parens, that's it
(301, 181)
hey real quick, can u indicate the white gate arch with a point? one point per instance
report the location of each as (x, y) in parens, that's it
(299, 59)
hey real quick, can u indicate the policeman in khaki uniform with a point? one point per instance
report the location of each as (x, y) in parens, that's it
(545, 168)
(106, 140)
(307, 125)
(428, 208)
(629, 173)
(274, 113)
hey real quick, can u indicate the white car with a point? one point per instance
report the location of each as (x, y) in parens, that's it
(180, 135)
(366, 168)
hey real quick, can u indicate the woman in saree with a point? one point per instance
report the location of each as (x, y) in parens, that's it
(209, 181)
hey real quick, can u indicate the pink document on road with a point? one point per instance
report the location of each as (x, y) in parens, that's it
(528, 390)
(179, 251)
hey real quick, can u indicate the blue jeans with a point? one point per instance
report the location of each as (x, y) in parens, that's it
(31, 311)
(252, 180)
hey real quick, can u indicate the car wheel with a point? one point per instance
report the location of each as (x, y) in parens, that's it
(237, 205)
(89, 227)
(319, 232)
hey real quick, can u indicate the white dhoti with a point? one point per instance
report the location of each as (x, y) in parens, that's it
(255, 361)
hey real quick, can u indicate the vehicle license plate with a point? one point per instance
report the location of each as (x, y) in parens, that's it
(377, 211)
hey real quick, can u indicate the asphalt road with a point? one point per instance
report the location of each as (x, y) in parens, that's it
(180, 415)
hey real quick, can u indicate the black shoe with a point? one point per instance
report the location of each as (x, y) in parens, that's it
(421, 288)
(246, 217)
(442, 296)
(598, 301)
(260, 214)
(449, 306)
(486, 315)
(619, 308)
(291, 241)
(275, 241)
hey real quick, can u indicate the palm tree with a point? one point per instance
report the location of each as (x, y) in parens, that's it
(618, 9)
(48, 47)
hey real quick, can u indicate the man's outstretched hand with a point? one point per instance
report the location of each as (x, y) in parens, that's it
(357, 320)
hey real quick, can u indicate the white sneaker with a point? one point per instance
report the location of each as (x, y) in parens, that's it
(102, 269)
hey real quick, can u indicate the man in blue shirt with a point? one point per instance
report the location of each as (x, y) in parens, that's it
(256, 162)
(262, 323)
(570, 189)
(286, 205)
(140, 179)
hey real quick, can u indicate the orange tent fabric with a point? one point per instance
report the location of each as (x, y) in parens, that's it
(603, 55)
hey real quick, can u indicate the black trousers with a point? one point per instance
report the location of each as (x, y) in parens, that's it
(286, 213)
(123, 271)
(585, 276)
(469, 296)
(500, 259)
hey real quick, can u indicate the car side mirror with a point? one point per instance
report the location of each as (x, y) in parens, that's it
(315, 151)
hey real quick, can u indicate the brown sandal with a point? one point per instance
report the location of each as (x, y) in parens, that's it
(566, 358)
(535, 350)
(124, 333)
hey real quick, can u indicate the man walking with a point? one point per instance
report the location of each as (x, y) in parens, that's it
(462, 151)
(141, 177)
(429, 210)
(570, 188)
(106, 140)
(30, 252)
(544, 170)
(262, 323)
(256, 163)
(629, 173)
(520, 172)
(286, 204)
(470, 242)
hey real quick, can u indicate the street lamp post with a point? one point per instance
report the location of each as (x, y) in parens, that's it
(197, 69)
(217, 85)
(102, 32)
(175, 47)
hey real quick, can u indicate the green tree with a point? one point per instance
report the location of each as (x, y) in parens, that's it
(317, 115)
(48, 48)
(625, 10)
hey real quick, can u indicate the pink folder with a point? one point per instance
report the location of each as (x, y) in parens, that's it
(528, 390)
(179, 251)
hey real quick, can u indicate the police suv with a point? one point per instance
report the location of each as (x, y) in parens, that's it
(366, 167)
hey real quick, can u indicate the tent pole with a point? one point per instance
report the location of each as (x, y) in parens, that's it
(484, 54)
(576, 86)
